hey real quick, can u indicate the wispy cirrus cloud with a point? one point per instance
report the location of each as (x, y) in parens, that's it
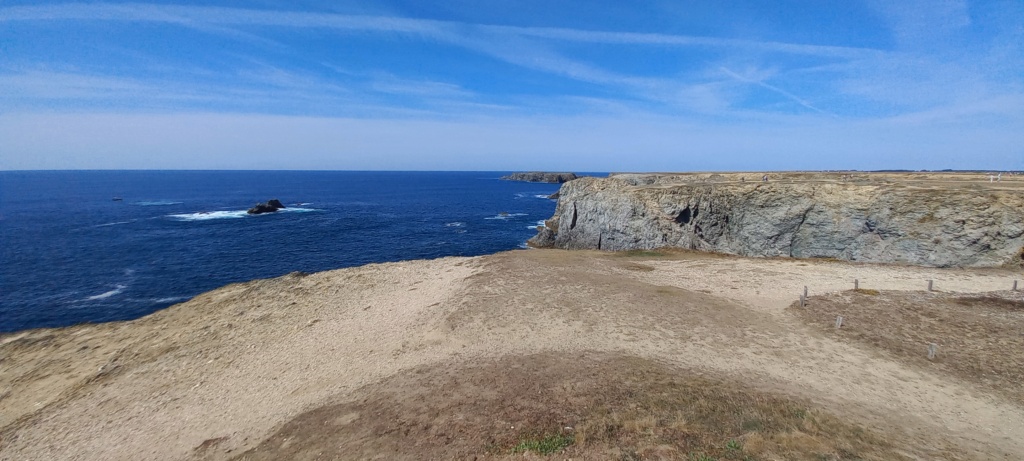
(761, 83)
(200, 16)
(527, 47)
(432, 76)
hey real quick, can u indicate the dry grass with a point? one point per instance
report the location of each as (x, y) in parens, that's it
(581, 407)
(638, 267)
(978, 336)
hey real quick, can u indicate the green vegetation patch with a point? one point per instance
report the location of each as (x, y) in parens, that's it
(546, 445)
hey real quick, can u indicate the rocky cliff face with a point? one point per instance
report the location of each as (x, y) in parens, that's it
(540, 176)
(867, 218)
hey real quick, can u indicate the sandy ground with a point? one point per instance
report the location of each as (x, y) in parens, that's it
(215, 377)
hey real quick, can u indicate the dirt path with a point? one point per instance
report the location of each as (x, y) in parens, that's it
(218, 375)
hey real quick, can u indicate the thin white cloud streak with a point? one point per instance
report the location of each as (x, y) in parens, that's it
(491, 41)
(775, 89)
(514, 45)
(190, 16)
(893, 79)
(249, 90)
(265, 83)
(217, 141)
(636, 38)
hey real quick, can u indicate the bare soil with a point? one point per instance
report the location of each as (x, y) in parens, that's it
(597, 405)
(979, 336)
(646, 355)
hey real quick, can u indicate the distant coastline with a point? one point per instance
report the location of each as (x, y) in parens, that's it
(541, 176)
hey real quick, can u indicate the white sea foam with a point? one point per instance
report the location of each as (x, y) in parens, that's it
(208, 215)
(454, 224)
(156, 203)
(172, 299)
(231, 214)
(507, 216)
(544, 196)
(112, 224)
(116, 291)
(305, 204)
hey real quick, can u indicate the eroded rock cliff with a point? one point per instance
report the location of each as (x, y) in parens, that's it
(923, 220)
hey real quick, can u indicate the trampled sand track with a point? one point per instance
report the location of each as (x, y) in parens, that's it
(216, 376)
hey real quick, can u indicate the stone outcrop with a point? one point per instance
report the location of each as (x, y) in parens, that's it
(269, 206)
(870, 218)
(539, 176)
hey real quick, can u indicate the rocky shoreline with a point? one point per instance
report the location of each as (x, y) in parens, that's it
(942, 220)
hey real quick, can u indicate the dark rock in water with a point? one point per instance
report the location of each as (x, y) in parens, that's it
(539, 176)
(554, 196)
(545, 238)
(270, 206)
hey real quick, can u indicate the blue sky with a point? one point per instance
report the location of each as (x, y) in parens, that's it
(503, 85)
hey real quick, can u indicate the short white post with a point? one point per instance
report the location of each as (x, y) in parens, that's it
(856, 284)
(1014, 285)
(932, 348)
(839, 321)
(803, 300)
(930, 285)
(805, 290)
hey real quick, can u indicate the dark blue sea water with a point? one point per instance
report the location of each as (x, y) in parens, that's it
(71, 254)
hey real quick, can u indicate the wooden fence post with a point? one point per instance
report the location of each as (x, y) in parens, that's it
(839, 321)
(932, 348)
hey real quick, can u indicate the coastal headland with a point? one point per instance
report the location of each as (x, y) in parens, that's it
(932, 219)
(541, 176)
(548, 354)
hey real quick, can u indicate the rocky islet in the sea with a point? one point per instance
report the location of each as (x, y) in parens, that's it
(269, 206)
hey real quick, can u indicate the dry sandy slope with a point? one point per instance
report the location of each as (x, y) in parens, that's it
(232, 366)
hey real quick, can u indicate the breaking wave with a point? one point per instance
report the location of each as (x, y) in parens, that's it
(507, 216)
(116, 291)
(231, 214)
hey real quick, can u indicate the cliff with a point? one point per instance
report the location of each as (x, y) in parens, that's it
(539, 176)
(923, 219)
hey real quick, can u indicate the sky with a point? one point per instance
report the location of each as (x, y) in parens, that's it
(579, 85)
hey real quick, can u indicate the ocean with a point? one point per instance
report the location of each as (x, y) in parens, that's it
(72, 254)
